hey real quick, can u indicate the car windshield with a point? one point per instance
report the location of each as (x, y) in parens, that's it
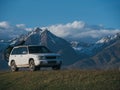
(38, 49)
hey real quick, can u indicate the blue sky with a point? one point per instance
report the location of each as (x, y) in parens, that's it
(49, 12)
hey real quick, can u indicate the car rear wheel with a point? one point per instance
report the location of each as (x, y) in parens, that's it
(13, 66)
(32, 65)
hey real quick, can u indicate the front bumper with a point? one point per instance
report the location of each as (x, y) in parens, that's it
(48, 63)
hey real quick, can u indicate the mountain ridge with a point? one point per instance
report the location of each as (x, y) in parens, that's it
(51, 41)
(107, 58)
(76, 55)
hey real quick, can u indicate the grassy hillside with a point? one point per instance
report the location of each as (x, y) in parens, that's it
(60, 80)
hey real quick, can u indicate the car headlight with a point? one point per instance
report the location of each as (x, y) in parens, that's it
(42, 57)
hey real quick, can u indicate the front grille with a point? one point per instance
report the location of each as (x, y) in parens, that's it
(50, 57)
(51, 62)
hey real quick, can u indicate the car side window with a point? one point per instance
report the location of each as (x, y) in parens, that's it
(15, 51)
(20, 50)
(23, 50)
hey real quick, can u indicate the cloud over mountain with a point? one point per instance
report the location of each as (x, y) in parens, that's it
(4, 24)
(8, 31)
(79, 30)
(76, 30)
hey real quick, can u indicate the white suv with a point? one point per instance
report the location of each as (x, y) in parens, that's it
(33, 57)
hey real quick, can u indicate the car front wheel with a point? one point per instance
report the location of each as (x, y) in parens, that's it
(32, 65)
(13, 66)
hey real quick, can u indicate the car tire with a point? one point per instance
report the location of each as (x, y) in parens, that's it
(32, 65)
(13, 66)
(56, 67)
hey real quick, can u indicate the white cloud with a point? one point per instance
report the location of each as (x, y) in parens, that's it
(96, 33)
(4, 24)
(23, 26)
(76, 30)
(64, 30)
(28, 29)
(8, 31)
(20, 25)
(79, 29)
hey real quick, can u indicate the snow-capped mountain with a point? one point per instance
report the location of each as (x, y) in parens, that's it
(41, 37)
(91, 49)
(107, 58)
(71, 52)
(54, 43)
(85, 48)
(106, 55)
(79, 45)
(108, 39)
(25, 37)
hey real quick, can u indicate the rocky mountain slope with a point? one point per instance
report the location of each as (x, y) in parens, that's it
(103, 54)
(54, 43)
(108, 57)
(3, 63)
(90, 49)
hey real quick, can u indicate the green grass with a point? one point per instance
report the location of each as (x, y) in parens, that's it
(60, 80)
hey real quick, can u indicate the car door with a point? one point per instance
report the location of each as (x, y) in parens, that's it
(23, 56)
(15, 55)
